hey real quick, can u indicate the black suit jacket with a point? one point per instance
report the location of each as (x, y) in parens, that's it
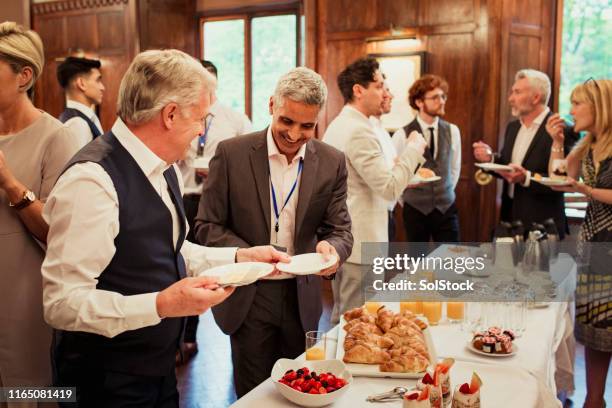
(235, 211)
(537, 202)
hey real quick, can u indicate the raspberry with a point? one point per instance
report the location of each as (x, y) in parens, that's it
(465, 388)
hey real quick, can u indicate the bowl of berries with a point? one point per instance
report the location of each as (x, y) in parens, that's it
(311, 383)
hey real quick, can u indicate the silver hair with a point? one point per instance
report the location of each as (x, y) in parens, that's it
(158, 77)
(303, 85)
(538, 81)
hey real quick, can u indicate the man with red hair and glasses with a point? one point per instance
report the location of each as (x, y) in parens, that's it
(429, 208)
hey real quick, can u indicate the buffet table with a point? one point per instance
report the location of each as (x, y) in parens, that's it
(526, 379)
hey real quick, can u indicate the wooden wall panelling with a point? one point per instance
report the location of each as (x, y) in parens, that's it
(168, 24)
(341, 54)
(488, 39)
(398, 14)
(351, 15)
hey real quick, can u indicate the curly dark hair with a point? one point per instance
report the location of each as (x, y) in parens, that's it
(359, 72)
(423, 85)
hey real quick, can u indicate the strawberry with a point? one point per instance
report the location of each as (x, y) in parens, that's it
(427, 379)
(424, 394)
(330, 389)
(322, 390)
(412, 396)
(313, 391)
(298, 388)
(465, 388)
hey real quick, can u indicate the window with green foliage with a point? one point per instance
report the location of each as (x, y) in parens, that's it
(224, 46)
(247, 79)
(274, 53)
(586, 46)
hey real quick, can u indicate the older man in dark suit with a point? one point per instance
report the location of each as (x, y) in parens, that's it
(527, 149)
(279, 186)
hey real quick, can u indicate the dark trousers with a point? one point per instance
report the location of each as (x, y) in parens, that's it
(435, 226)
(191, 203)
(101, 388)
(271, 330)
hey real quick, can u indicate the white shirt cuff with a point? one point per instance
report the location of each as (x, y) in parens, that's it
(140, 310)
(527, 181)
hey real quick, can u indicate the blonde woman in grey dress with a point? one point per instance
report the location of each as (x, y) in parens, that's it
(34, 148)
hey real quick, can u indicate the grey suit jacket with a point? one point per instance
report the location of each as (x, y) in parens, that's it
(235, 211)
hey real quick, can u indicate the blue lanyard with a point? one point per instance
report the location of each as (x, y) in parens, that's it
(202, 137)
(276, 212)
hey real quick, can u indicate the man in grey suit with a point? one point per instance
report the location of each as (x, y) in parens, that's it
(278, 186)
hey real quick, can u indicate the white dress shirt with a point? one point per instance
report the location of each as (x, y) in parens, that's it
(388, 148)
(399, 141)
(522, 142)
(282, 175)
(83, 216)
(225, 123)
(78, 126)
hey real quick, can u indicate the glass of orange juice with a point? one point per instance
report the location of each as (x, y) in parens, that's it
(415, 307)
(433, 312)
(372, 307)
(315, 345)
(455, 311)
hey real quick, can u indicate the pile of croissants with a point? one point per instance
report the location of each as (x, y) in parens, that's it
(394, 341)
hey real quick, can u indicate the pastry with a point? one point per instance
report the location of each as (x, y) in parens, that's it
(405, 363)
(417, 399)
(468, 395)
(365, 353)
(494, 341)
(426, 173)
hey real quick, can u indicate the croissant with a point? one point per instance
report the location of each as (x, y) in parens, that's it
(384, 319)
(354, 313)
(402, 321)
(410, 347)
(365, 353)
(362, 327)
(366, 318)
(371, 339)
(411, 316)
(405, 363)
(406, 331)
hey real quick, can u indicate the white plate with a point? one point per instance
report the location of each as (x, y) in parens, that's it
(473, 349)
(547, 181)
(306, 264)
(335, 367)
(372, 370)
(418, 179)
(200, 163)
(494, 166)
(239, 274)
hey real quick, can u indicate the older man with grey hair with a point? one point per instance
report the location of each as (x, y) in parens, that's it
(278, 186)
(119, 277)
(526, 149)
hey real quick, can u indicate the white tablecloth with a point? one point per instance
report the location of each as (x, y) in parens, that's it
(524, 380)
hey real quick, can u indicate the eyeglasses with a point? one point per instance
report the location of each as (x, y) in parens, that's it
(440, 97)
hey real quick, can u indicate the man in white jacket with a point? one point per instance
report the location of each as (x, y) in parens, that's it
(371, 182)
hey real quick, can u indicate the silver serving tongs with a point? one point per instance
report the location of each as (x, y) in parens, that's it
(396, 393)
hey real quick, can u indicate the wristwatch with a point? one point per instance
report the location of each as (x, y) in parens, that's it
(28, 198)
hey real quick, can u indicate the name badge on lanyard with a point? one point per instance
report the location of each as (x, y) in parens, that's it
(202, 138)
(277, 213)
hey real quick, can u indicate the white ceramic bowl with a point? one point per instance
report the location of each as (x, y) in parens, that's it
(336, 367)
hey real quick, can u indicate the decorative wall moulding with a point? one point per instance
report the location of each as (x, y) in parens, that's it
(52, 7)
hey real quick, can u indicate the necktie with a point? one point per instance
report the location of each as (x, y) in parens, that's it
(432, 143)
